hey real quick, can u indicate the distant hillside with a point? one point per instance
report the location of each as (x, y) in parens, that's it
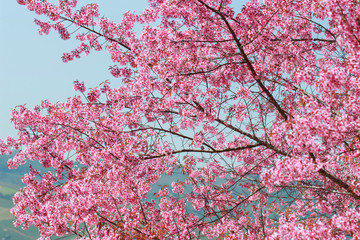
(12, 177)
(10, 182)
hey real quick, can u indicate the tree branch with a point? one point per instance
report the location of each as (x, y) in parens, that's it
(97, 33)
(248, 62)
(334, 179)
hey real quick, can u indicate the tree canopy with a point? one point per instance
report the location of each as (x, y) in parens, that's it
(251, 115)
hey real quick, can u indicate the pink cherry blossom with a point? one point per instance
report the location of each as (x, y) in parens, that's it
(250, 117)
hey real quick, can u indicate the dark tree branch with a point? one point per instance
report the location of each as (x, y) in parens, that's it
(334, 179)
(97, 33)
(248, 62)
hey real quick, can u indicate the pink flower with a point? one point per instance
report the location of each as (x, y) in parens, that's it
(21, 2)
(79, 86)
(93, 95)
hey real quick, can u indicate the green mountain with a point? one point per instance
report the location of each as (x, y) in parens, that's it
(10, 182)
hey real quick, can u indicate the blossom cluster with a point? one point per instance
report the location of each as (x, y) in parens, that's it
(252, 117)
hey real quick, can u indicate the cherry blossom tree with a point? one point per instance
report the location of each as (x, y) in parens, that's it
(251, 116)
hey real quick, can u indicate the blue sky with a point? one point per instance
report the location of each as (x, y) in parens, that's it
(31, 69)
